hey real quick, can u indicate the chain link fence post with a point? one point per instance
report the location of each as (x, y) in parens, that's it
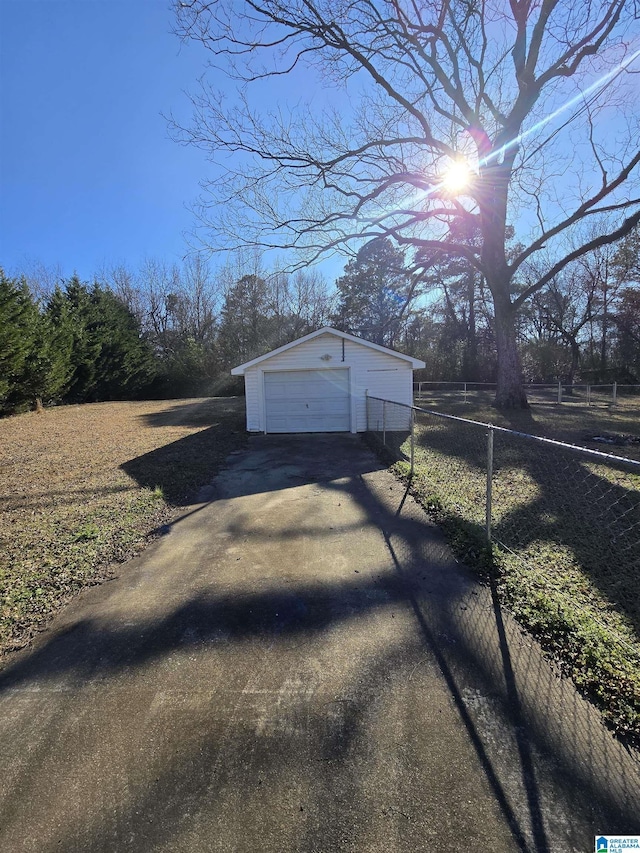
(559, 392)
(614, 399)
(489, 483)
(384, 422)
(412, 427)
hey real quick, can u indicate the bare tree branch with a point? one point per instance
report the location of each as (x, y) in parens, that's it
(516, 89)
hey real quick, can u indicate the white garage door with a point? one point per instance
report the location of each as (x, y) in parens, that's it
(307, 401)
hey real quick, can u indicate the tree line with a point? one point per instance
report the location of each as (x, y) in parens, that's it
(174, 331)
(160, 331)
(81, 345)
(446, 126)
(584, 325)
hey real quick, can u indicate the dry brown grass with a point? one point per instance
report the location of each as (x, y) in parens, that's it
(83, 488)
(570, 422)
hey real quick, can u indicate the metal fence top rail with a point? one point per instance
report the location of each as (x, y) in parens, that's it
(552, 384)
(576, 448)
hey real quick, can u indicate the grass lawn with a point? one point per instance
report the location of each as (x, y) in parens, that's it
(570, 422)
(83, 488)
(568, 527)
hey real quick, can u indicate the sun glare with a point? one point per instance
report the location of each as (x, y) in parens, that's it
(457, 176)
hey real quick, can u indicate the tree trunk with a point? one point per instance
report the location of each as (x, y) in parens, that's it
(510, 392)
(575, 359)
(605, 332)
(493, 222)
(471, 350)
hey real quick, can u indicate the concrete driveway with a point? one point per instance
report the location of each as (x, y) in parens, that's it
(300, 665)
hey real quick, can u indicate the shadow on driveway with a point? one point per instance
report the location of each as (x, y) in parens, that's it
(300, 665)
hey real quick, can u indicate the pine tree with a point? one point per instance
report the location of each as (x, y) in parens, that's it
(16, 313)
(108, 356)
(124, 363)
(245, 328)
(374, 293)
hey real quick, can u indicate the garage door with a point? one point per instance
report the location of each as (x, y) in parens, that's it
(307, 401)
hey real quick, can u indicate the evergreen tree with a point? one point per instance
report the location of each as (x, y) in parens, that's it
(34, 355)
(124, 362)
(70, 311)
(374, 293)
(245, 326)
(109, 358)
(16, 313)
(48, 365)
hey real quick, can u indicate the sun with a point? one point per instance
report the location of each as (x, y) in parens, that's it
(457, 176)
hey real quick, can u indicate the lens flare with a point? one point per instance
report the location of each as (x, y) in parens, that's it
(457, 176)
(498, 154)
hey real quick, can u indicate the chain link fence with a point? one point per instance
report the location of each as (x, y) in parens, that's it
(481, 393)
(569, 515)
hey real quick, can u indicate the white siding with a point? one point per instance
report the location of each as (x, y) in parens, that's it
(381, 374)
(254, 421)
(308, 355)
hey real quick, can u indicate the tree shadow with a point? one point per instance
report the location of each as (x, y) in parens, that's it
(199, 413)
(184, 469)
(595, 518)
(573, 504)
(180, 468)
(502, 691)
(552, 502)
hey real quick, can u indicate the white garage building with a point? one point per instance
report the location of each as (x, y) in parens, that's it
(319, 383)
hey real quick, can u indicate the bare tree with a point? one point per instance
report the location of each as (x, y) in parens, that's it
(600, 278)
(123, 282)
(203, 296)
(311, 300)
(41, 278)
(160, 289)
(520, 95)
(558, 316)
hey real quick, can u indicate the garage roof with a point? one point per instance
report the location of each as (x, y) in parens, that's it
(326, 330)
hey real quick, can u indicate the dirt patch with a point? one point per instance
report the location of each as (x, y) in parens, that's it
(84, 488)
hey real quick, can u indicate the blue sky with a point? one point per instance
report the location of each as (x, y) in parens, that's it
(89, 175)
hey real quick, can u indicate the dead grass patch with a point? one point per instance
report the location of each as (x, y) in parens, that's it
(83, 488)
